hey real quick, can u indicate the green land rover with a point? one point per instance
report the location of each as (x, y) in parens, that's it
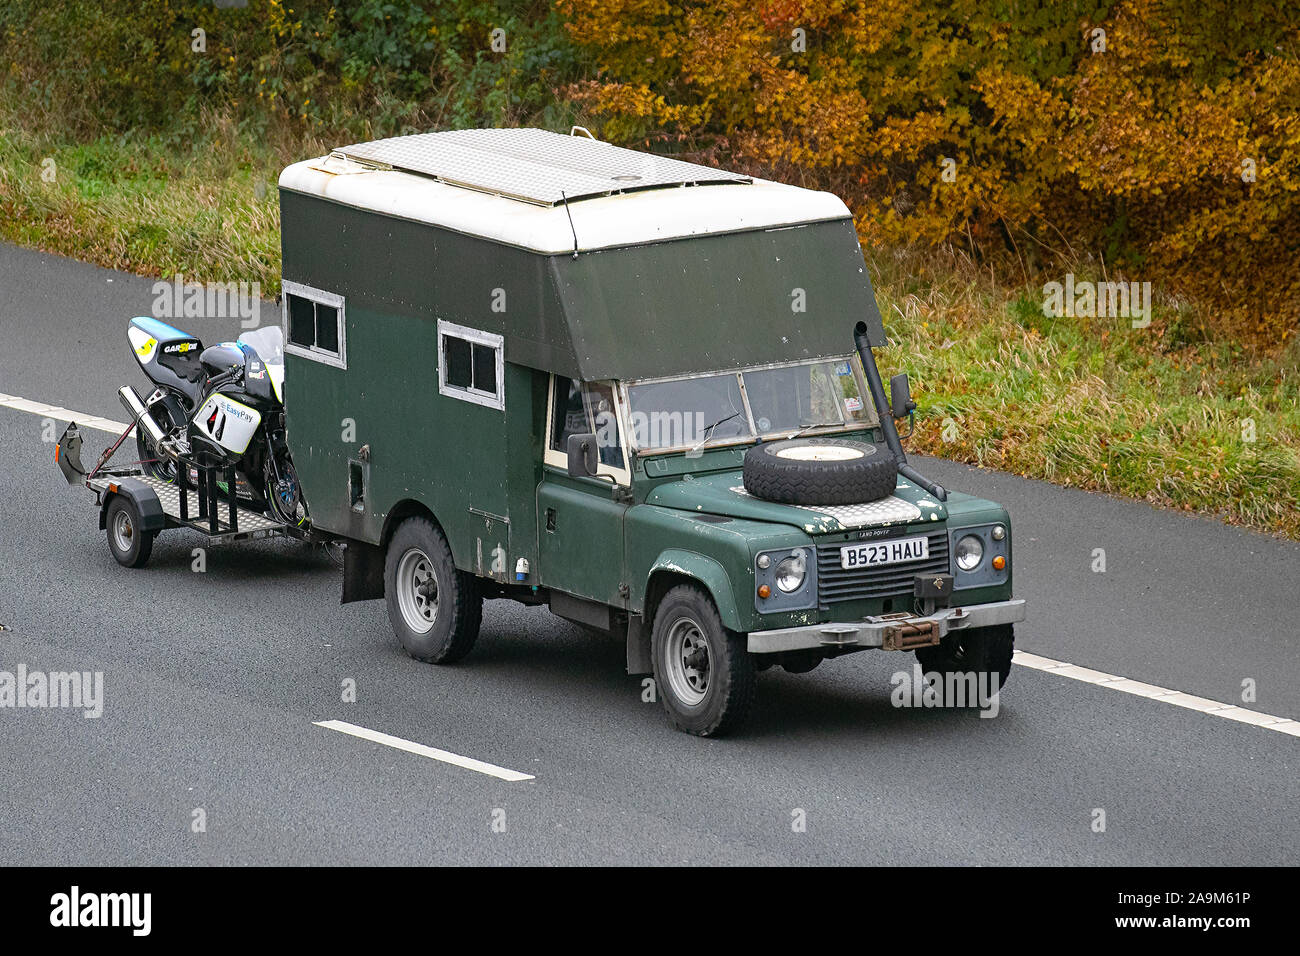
(539, 367)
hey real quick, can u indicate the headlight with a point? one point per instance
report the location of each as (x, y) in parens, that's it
(970, 552)
(791, 572)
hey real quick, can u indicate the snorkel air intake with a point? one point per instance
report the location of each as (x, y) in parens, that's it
(886, 414)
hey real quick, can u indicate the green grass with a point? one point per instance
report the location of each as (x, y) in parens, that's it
(1156, 414)
(146, 205)
(1202, 427)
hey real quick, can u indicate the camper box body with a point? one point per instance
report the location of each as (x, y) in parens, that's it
(673, 274)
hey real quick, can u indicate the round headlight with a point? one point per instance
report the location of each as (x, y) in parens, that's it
(791, 572)
(970, 552)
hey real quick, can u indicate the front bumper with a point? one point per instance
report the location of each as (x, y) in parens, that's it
(893, 631)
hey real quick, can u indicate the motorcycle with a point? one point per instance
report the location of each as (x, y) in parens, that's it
(222, 405)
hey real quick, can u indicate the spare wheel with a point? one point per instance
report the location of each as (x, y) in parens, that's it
(820, 471)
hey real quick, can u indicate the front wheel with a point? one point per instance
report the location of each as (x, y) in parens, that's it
(704, 672)
(435, 609)
(283, 493)
(979, 651)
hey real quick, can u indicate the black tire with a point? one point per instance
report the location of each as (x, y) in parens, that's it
(151, 462)
(716, 698)
(417, 554)
(785, 471)
(129, 545)
(283, 499)
(980, 650)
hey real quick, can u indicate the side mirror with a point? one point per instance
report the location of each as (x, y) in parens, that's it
(900, 396)
(583, 462)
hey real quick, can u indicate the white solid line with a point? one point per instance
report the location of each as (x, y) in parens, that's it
(469, 763)
(1204, 705)
(55, 411)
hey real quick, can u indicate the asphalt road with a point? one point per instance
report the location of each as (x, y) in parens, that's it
(213, 682)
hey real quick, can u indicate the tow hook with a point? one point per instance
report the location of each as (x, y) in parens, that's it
(839, 636)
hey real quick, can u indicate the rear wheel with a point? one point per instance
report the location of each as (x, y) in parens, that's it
(152, 462)
(704, 672)
(129, 543)
(434, 608)
(983, 650)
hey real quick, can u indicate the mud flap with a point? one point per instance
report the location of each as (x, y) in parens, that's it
(67, 453)
(363, 572)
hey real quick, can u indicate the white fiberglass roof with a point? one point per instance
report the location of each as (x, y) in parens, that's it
(533, 165)
(522, 186)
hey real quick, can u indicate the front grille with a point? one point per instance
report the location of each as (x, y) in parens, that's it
(893, 580)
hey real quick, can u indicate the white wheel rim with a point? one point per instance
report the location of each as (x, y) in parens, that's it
(687, 662)
(123, 531)
(417, 591)
(819, 453)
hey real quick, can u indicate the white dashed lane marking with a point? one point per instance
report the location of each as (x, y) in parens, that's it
(59, 413)
(1215, 708)
(411, 747)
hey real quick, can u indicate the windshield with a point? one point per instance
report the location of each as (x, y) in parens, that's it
(736, 406)
(268, 343)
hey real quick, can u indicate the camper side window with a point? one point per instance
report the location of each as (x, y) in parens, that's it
(313, 324)
(471, 365)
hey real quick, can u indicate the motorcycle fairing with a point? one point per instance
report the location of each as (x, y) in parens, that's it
(226, 422)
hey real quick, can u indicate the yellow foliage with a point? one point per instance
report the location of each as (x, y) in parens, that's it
(1159, 135)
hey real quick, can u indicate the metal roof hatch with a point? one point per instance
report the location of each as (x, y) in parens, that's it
(533, 165)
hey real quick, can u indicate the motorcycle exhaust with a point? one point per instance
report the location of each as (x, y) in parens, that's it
(132, 403)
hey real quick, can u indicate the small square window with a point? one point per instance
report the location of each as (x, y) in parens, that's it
(314, 324)
(470, 364)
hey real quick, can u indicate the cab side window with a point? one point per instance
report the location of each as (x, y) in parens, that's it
(579, 408)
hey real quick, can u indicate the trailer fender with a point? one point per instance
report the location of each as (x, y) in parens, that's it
(145, 499)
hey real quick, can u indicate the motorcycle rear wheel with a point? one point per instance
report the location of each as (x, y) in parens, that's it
(152, 463)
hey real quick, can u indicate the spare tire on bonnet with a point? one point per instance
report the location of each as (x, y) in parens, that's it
(820, 471)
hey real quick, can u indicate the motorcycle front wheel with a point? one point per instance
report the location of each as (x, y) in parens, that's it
(283, 493)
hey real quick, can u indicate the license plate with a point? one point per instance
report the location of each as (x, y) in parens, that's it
(884, 552)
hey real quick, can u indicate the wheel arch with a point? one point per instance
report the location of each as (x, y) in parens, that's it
(363, 563)
(677, 566)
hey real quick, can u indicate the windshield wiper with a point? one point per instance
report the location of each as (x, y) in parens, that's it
(709, 431)
(805, 427)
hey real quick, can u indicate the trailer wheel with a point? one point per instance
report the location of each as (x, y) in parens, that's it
(131, 545)
(704, 672)
(434, 608)
(983, 650)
